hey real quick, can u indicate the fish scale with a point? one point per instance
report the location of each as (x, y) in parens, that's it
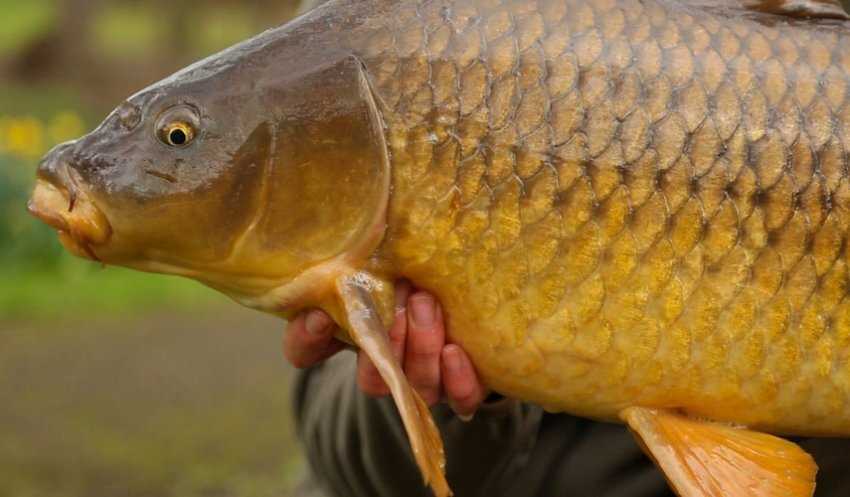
(627, 203)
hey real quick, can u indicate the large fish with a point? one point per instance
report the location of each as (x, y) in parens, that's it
(631, 210)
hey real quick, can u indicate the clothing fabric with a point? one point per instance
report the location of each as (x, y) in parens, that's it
(357, 447)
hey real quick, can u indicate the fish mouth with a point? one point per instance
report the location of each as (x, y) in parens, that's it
(82, 227)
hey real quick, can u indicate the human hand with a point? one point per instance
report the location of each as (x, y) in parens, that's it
(436, 369)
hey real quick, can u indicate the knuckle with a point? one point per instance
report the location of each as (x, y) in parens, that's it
(371, 377)
(426, 349)
(370, 380)
(398, 332)
(296, 325)
(372, 386)
(300, 359)
(466, 398)
(427, 387)
(424, 374)
(299, 362)
(463, 390)
(430, 396)
(397, 341)
(376, 392)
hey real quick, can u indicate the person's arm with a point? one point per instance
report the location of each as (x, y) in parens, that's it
(356, 443)
(357, 446)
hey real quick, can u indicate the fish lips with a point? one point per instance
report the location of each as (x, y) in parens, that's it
(82, 227)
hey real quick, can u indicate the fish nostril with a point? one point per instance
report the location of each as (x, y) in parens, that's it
(129, 115)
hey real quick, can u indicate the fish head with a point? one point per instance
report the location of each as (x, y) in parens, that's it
(113, 194)
(244, 171)
(162, 179)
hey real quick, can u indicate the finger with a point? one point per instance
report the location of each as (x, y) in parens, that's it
(309, 339)
(463, 388)
(398, 332)
(368, 377)
(425, 340)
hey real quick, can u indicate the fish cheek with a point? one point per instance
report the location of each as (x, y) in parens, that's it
(192, 219)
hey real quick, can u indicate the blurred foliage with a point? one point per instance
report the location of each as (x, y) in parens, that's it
(63, 66)
(116, 382)
(30, 20)
(22, 140)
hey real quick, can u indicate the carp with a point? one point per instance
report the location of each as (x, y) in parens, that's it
(631, 210)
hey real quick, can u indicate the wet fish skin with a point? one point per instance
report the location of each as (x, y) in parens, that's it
(627, 203)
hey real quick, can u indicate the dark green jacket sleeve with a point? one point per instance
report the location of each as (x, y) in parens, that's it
(357, 447)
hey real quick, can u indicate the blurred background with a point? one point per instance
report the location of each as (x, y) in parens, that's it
(114, 382)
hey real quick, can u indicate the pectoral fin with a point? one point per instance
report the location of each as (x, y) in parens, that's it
(706, 459)
(369, 334)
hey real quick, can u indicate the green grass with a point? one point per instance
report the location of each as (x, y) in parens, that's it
(164, 404)
(79, 288)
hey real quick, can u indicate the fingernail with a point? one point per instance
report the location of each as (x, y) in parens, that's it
(423, 311)
(317, 323)
(466, 418)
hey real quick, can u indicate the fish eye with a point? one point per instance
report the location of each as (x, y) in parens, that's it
(178, 126)
(178, 134)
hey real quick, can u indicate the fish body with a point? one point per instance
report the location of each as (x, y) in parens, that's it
(628, 208)
(626, 202)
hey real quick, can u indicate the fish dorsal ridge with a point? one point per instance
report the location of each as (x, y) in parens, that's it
(831, 9)
(805, 9)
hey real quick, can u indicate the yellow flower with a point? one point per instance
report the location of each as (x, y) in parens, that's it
(24, 137)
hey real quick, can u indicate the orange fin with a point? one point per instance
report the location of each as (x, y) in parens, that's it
(370, 335)
(706, 459)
